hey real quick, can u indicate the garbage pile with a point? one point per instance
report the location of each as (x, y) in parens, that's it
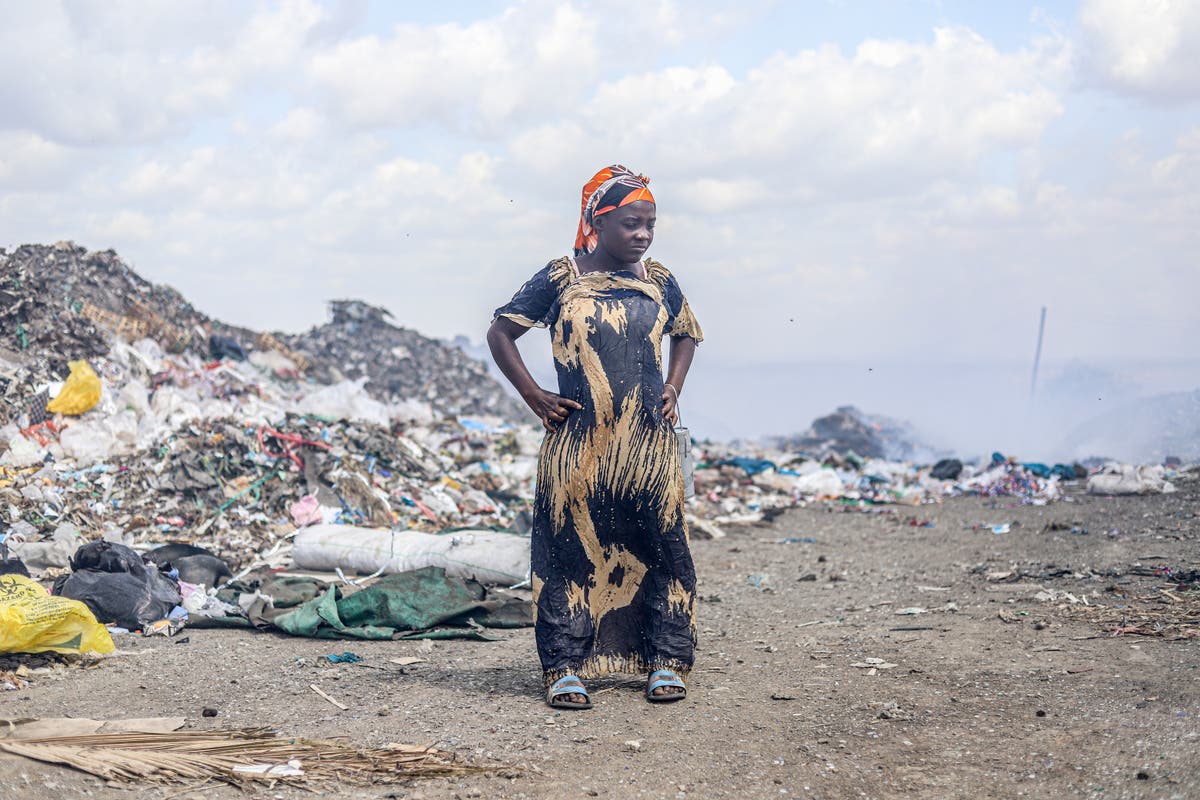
(850, 431)
(748, 485)
(400, 364)
(61, 303)
(128, 419)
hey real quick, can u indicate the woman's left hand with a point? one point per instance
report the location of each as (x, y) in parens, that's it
(669, 406)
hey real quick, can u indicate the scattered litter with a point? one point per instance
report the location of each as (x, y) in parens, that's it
(873, 665)
(406, 661)
(317, 689)
(760, 580)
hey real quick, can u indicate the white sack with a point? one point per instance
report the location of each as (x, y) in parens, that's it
(486, 556)
(1128, 479)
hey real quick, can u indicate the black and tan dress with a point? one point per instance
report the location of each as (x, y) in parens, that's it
(613, 582)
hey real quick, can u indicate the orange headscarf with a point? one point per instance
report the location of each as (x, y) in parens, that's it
(616, 186)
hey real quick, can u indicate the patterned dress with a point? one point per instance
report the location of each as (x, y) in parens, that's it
(613, 582)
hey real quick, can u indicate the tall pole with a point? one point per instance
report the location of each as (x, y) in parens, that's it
(1037, 356)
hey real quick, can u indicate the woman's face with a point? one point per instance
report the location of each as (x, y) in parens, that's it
(627, 232)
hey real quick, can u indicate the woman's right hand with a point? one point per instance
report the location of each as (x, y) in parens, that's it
(552, 409)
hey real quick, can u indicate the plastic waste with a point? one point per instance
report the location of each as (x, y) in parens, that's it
(948, 469)
(1128, 479)
(346, 400)
(114, 582)
(32, 621)
(824, 483)
(79, 394)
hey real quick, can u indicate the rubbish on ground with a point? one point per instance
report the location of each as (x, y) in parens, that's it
(33, 621)
(317, 689)
(873, 665)
(345, 657)
(406, 661)
(193, 564)
(118, 586)
(79, 394)
(760, 580)
(291, 769)
(948, 469)
(1120, 479)
(163, 627)
(911, 611)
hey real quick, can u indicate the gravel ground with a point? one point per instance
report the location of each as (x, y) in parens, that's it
(992, 692)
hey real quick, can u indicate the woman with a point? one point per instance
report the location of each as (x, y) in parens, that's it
(613, 583)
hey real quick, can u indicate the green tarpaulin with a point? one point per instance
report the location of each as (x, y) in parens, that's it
(425, 603)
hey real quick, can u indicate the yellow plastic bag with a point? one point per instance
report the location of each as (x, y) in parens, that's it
(34, 621)
(80, 393)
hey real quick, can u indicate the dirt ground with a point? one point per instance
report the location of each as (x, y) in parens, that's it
(993, 692)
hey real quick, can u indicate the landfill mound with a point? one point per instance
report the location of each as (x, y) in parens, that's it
(61, 302)
(399, 363)
(1150, 430)
(849, 430)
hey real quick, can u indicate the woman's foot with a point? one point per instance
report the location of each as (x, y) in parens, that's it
(664, 686)
(568, 692)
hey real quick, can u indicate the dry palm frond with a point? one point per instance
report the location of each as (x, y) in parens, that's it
(1164, 614)
(206, 755)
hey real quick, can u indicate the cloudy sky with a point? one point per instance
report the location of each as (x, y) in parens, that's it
(836, 180)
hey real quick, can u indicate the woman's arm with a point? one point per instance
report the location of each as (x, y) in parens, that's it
(683, 349)
(550, 408)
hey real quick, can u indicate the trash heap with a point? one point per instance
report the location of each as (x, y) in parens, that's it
(223, 454)
(849, 430)
(745, 484)
(127, 415)
(399, 364)
(61, 303)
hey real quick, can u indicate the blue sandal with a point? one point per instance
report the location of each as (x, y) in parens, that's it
(668, 678)
(567, 685)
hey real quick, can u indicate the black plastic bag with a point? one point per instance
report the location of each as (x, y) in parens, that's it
(948, 469)
(194, 564)
(123, 598)
(118, 586)
(105, 556)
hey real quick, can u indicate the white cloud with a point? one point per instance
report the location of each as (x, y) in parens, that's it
(1148, 47)
(824, 202)
(116, 74)
(478, 77)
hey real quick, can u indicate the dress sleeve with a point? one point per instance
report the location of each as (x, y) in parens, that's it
(535, 304)
(682, 321)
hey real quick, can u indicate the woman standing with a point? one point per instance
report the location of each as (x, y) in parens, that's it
(613, 583)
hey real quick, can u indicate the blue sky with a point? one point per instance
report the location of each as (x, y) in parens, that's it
(837, 181)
